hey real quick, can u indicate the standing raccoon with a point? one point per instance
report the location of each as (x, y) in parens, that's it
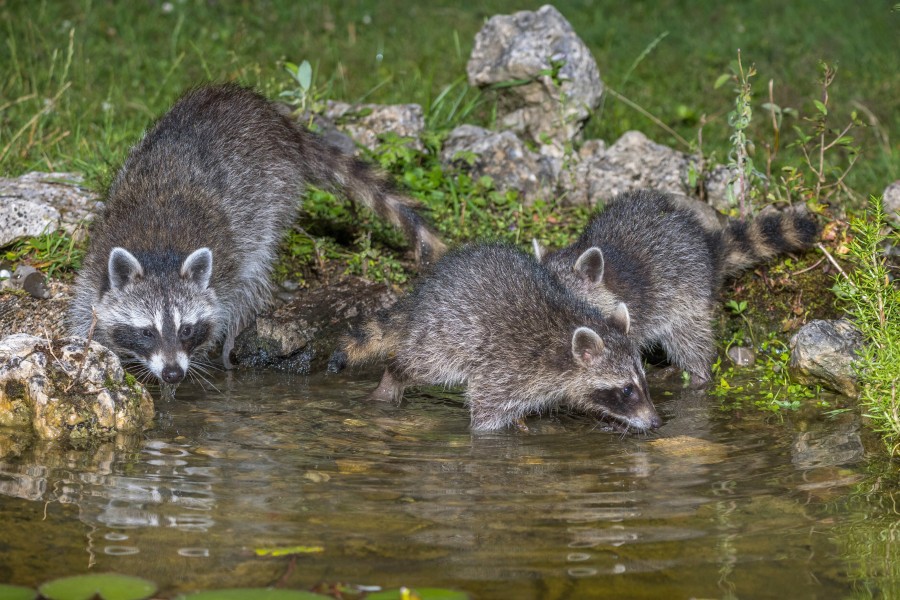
(491, 317)
(181, 257)
(658, 255)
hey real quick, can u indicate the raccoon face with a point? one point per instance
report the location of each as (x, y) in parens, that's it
(159, 320)
(613, 380)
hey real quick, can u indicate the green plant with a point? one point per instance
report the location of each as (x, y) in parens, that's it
(872, 300)
(743, 185)
(56, 253)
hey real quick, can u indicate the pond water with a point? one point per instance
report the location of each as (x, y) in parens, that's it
(717, 504)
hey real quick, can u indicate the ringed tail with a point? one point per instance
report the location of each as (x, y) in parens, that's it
(335, 170)
(749, 243)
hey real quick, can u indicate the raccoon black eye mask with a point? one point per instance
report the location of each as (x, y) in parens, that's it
(192, 221)
(490, 317)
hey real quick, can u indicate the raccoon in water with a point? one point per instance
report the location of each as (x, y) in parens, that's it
(490, 317)
(181, 256)
(660, 256)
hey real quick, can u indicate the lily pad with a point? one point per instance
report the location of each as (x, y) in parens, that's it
(252, 594)
(419, 594)
(105, 586)
(15, 592)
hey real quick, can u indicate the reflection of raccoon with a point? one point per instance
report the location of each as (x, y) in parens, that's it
(489, 316)
(181, 256)
(667, 263)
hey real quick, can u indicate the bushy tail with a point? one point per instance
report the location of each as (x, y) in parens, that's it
(373, 340)
(749, 243)
(334, 170)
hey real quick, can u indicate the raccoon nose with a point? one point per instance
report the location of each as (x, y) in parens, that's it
(655, 422)
(172, 374)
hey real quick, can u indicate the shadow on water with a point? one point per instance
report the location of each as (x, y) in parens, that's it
(712, 505)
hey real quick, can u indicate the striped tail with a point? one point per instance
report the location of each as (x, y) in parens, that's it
(330, 168)
(766, 236)
(374, 340)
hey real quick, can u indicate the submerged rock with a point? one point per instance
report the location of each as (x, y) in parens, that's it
(556, 80)
(63, 390)
(300, 336)
(822, 352)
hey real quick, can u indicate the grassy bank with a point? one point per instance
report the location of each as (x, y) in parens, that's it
(81, 80)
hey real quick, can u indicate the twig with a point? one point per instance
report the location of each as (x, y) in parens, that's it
(87, 345)
(818, 262)
(647, 114)
(832, 261)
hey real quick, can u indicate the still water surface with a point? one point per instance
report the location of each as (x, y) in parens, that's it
(715, 505)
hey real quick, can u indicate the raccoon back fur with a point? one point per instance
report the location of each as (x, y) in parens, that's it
(656, 254)
(491, 317)
(181, 256)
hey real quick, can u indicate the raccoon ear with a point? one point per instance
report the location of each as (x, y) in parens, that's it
(620, 319)
(197, 267)
(590, 265)
(122, 268)
(539, 251)
(586, 346)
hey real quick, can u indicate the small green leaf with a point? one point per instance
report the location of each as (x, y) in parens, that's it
(252, 594)
(102, 586)
(289, 550)
(304, 75)
(721, 80)
(15, 592)
(820, 107)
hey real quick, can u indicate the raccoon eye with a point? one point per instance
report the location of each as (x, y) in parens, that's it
(627, 391)
(147, 333)
(186, 331)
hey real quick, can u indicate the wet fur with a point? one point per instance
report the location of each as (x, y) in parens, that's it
(490, 317)
(223, 169)
(668, 264)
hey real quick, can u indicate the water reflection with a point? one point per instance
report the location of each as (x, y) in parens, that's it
(713, 505)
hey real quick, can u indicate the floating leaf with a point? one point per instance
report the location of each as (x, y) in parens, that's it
(252, 594)
(102, 586)
(418, 594)
(15, 592)
(289, 550)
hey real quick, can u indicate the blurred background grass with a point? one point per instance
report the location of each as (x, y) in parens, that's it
(80, 81)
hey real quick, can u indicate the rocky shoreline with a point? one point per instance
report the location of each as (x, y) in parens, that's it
(532, 152)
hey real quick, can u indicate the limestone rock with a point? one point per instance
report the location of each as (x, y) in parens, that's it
(504, 158)
(365, 122)
(62, 390)
(892, 203)
(822, 352)
(37, 203)
(301, 335)
(632, 163)
(541, 48)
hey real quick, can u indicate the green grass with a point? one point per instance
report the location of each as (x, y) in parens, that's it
(80, 110)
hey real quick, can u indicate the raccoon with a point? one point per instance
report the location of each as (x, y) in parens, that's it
(668, 263)
(181, 255)
(491, 317)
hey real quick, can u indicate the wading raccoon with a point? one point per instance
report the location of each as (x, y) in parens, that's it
(181, 255)
(489, 316)
(658, 255)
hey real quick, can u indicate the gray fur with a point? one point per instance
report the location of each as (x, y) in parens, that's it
(659, 256)
(193, 219)
(489, 316)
